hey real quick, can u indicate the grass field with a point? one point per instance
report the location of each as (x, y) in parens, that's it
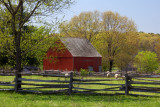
(12, 99)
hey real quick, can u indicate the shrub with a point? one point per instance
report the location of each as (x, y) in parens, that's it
(90, 72)
(83, 72)
(146, 62)
(75, 72)
(157, 71)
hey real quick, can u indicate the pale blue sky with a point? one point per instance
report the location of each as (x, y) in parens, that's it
(145, 13)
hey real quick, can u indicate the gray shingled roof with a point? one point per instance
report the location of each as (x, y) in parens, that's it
(79, 47)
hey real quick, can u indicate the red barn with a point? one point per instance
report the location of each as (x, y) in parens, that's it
(78, 53)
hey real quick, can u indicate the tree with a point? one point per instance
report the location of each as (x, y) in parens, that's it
(146, 62)
(85, 25)
(117, 33)
(157, 48)
(148, 41)
(3, 59)
(24, 11)
(34, 43)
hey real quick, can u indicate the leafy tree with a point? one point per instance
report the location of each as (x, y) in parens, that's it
(3, 59)
(21, 13)
(85, 25)
(127, 51)
(148, 41)
(115, 39)
(157, 48)
(34, 45)
(146, 62)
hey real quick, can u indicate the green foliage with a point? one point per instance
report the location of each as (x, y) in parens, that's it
(105, 64)
(75, 72)
(157, 71)
(35, 42)
(104, 68)
(83, 72)
(6, 61)
(146, 62)
(91, 72)
(3, 59)
(85, 25)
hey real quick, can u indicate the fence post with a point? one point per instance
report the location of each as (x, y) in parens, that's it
(17, 81)
(70, 84)
(126, 84)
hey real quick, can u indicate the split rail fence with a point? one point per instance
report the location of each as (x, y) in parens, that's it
(47, 83)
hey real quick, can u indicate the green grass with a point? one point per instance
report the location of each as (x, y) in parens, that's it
(11, 99)
(7, 78)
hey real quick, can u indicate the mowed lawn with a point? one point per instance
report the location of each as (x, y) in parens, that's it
(12, 99)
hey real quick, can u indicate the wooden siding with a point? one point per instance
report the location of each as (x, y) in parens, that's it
(58, 61)
(85, 62)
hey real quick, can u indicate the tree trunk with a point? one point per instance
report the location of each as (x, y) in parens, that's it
(18, 62)
(110, 65)
(17, 38)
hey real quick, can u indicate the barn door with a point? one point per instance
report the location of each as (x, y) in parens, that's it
(90, 68)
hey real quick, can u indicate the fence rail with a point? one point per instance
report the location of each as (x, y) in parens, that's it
(53, 83)
(145, 85)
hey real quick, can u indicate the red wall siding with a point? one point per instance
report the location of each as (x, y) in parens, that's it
(58, 60)
(85, 62)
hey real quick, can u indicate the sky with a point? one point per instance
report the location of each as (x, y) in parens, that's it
(145, 13)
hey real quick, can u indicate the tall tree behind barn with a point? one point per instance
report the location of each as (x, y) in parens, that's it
(78, 53)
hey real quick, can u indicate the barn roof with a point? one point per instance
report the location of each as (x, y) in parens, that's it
(79, 47)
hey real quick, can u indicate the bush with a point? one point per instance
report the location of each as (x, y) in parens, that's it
(157, 71)
(90, 72)
(146, 62)
(75, 72)
(83, 72)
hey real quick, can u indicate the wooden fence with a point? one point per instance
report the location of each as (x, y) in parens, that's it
(47, 83)
(55, 84)
(146, 85)
(97, 86)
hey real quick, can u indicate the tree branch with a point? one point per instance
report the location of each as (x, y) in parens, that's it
(19, 5)
(34, 47)
(27, 17)
(8, 8)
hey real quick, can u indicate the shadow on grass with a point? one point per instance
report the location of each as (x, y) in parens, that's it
(74, 97)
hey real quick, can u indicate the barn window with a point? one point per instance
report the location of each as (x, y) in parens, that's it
(90, 68)
(100, 68)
